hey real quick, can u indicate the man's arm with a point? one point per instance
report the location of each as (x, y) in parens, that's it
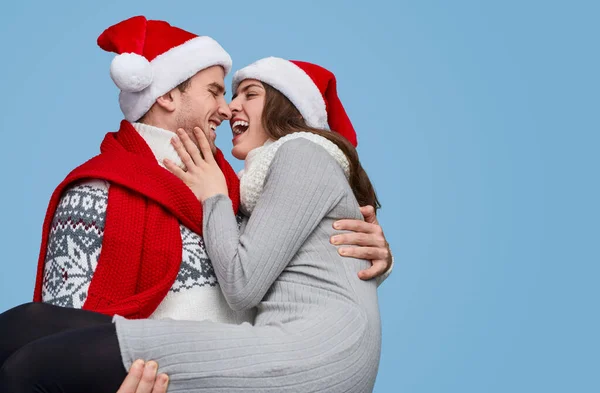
(372, 245)
(74, 243)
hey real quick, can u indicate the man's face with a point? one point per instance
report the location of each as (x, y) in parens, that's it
(203, 104)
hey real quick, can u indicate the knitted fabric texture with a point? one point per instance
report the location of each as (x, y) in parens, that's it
(258, 161)
(317, 327)
(142, 246)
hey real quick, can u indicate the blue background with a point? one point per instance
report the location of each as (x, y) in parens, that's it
(477, 121)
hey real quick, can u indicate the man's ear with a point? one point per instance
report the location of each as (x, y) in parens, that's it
(168, 101)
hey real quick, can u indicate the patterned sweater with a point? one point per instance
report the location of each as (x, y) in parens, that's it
(75, 244)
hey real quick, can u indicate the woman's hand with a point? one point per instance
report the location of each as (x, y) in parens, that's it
(203, 175)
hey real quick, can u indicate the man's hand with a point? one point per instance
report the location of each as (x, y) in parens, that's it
(369, 238)
(142, 378)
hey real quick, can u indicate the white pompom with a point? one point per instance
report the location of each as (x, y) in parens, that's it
(131, 72)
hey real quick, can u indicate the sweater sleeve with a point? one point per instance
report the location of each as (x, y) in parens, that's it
(74, 243)
(302, 185)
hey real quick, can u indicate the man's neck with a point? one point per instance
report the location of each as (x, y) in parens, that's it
(154, 119)
(152, 122)
(159, 141)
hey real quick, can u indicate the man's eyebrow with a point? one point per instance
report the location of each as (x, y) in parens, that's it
(246, 88)
(219, 87)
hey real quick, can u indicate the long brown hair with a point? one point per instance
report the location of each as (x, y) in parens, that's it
(280, 117)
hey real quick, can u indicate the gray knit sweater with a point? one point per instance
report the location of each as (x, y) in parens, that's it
(317, 327)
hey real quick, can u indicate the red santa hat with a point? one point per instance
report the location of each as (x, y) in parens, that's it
(310, 87)
(154, 58)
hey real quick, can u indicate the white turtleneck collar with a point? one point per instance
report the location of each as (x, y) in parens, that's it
(159, 141)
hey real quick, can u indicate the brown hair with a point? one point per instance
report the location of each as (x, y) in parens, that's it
(183, 86)
(280, 117)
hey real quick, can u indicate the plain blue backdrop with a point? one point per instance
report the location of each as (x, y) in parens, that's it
(477, 121)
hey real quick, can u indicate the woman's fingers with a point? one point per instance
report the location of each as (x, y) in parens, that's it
(190, 147)
(182, 152)
(174, 169)
(204, 145)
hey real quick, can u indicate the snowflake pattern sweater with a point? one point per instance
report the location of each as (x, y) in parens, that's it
(75, 244)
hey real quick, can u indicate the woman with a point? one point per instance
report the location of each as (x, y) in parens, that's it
(317, 326)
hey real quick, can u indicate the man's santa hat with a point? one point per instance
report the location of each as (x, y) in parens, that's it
(153, 58)
(311, 88)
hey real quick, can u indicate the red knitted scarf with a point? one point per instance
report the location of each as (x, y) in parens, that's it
(141, 249)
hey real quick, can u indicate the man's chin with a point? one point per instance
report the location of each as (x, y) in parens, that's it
(212, 138)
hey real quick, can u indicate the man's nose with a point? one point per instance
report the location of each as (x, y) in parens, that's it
(224, 111)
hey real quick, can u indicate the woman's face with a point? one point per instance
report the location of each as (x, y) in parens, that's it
(246, 114)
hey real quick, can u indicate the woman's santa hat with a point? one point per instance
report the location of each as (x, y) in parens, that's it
(154, 58)
(311, 88)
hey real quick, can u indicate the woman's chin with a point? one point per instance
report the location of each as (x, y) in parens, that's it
(239, 153)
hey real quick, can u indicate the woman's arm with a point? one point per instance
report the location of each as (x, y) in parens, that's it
(303, 184)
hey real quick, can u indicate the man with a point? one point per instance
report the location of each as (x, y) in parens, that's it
(122, 235)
